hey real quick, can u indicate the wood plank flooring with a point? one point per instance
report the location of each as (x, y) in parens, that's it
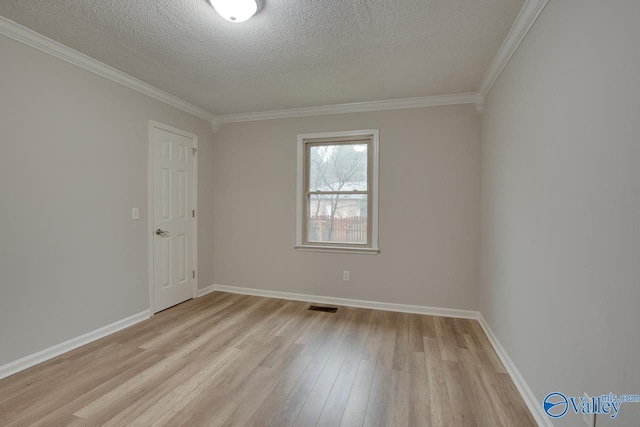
(235, 360)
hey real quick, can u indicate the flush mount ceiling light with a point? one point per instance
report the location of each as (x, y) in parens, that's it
(236, 10)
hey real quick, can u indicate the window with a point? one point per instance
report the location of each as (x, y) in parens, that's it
(337, 192)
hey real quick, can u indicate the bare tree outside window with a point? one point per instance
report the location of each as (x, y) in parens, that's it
(337, 192)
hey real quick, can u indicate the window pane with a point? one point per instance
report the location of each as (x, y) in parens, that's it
(337, 218)
(340, 167)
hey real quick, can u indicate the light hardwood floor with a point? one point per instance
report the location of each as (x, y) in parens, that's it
(237, 360)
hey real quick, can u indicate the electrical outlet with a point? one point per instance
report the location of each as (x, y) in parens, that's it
(135, 213)
(345, 275)
(589, 419)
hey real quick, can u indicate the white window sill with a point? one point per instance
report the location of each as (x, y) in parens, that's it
(338, 249)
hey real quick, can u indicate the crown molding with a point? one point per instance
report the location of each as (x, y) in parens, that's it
(356, 107)
(24, 35)
(523, 23)
(215, 124)
(479, 103)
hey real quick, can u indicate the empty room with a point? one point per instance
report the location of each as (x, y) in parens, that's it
(320, 213)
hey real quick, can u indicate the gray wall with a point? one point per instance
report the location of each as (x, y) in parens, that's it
(559, 165)
(73, 163)
(429, 209)
(561, 204)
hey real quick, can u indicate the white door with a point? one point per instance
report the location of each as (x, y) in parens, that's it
(173, 216)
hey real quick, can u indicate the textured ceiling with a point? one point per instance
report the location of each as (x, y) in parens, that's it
(292, 54)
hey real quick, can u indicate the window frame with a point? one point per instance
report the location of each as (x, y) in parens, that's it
(335, 138)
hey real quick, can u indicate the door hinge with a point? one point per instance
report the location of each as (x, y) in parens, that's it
(195, 151)
(194, 274)
(193, 213)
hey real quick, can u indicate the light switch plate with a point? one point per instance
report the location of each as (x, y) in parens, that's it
(135, 213)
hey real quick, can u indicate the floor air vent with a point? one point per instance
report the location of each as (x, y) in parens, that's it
(325, 309)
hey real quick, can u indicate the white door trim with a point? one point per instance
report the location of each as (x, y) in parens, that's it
(157, 125)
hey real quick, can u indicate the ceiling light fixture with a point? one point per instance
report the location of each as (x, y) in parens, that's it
(236, 10)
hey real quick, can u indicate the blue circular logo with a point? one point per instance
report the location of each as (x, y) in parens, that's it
(555, 404)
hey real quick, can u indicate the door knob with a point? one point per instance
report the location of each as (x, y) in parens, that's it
(162, 233)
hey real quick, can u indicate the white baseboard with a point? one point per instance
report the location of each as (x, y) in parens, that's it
(402, 308)
(534, 406)
(51, 352)
(532, 403)
(527, 395)
(205, 291)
